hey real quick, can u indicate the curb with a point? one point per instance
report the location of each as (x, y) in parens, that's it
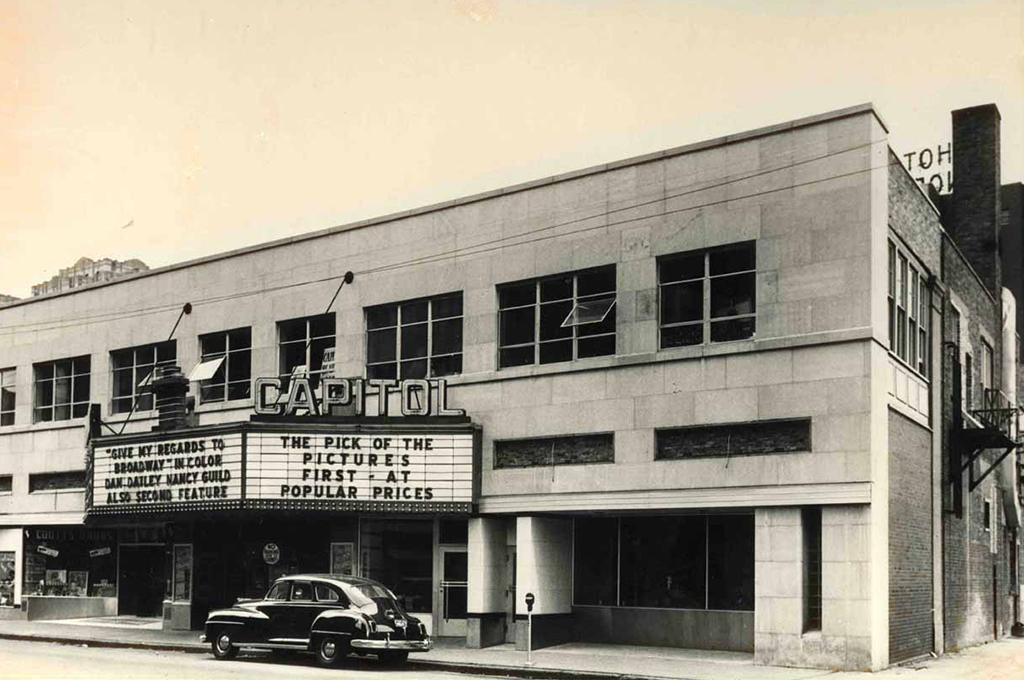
(110, 644)
(527, 673)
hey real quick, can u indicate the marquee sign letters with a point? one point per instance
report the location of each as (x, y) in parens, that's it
(301, 398)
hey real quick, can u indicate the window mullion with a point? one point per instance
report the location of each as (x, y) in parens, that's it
(536, 322)
(706, 302)
(575, 301)
(430, 333)
(227, 355)
(398, 342)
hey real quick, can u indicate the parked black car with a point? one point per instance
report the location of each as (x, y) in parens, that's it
(327, 614)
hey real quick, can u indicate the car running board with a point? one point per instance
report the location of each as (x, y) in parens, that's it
(277, 643)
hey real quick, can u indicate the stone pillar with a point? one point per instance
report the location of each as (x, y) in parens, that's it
(544, 568)
(844, 641)
(485, 625)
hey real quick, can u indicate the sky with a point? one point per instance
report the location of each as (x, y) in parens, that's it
(167, 131)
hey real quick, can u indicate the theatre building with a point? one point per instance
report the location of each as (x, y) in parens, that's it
(703, 398)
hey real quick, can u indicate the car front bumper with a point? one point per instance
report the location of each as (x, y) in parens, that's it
(424, 645)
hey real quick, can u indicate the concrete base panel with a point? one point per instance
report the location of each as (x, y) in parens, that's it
(548, 630)
(485, 630)
(43, 607)
(717, 630)
(177, 616)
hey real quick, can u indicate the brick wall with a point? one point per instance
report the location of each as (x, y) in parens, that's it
(912, 218)
(967, 561)
(910, 546)
(974, 222)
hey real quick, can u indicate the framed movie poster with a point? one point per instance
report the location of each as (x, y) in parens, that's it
(343, 558)
(78, 583)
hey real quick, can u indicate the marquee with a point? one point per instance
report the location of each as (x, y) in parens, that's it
(284, 466)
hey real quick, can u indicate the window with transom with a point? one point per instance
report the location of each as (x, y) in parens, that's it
(133, 373)
(61, 389)
(909, 303)
(232, 380)
(415, 339)
(8, 376)
(559, 318)
(707, 296)
(303, 344)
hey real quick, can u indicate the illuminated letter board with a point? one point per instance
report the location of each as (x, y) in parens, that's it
(183, 472)
(383, 468)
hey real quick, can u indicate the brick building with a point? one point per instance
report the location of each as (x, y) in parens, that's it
(699, 398)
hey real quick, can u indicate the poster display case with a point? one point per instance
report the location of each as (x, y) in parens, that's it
(7, 575)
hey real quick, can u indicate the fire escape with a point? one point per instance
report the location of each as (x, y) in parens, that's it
(995, 428)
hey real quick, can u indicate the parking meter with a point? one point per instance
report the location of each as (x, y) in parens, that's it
(530, 599)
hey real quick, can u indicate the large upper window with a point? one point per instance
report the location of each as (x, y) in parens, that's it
(561, 318)
(708, 295)
(61, 389)
(7, 395)
(909, 315)
(133, 370)
(303, 343)
(231, 381)
(415, 339)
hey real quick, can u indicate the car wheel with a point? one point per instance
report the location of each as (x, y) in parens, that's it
(222, 645)
(394, 657)
(330, 650)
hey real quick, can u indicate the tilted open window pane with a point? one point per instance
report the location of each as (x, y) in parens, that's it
(572, 309)
(589, 312)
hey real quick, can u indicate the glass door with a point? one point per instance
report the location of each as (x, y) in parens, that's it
(454, 585)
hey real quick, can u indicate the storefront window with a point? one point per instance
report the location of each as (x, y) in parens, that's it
(182, 573)
(400, 555)
(663, 562)
(73, 562)
(597, 560)
(731, 562)
(686, 562)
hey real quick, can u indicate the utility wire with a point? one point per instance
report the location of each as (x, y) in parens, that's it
(466, 251)
(457, 251)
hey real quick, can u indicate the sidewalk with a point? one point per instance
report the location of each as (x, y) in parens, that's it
(570, 661)
(1003, 660)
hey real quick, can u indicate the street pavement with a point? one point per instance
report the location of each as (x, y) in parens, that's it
(41, 660)
(106, 653)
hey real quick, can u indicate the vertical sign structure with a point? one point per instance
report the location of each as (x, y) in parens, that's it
(394, 468)
(181, 472)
